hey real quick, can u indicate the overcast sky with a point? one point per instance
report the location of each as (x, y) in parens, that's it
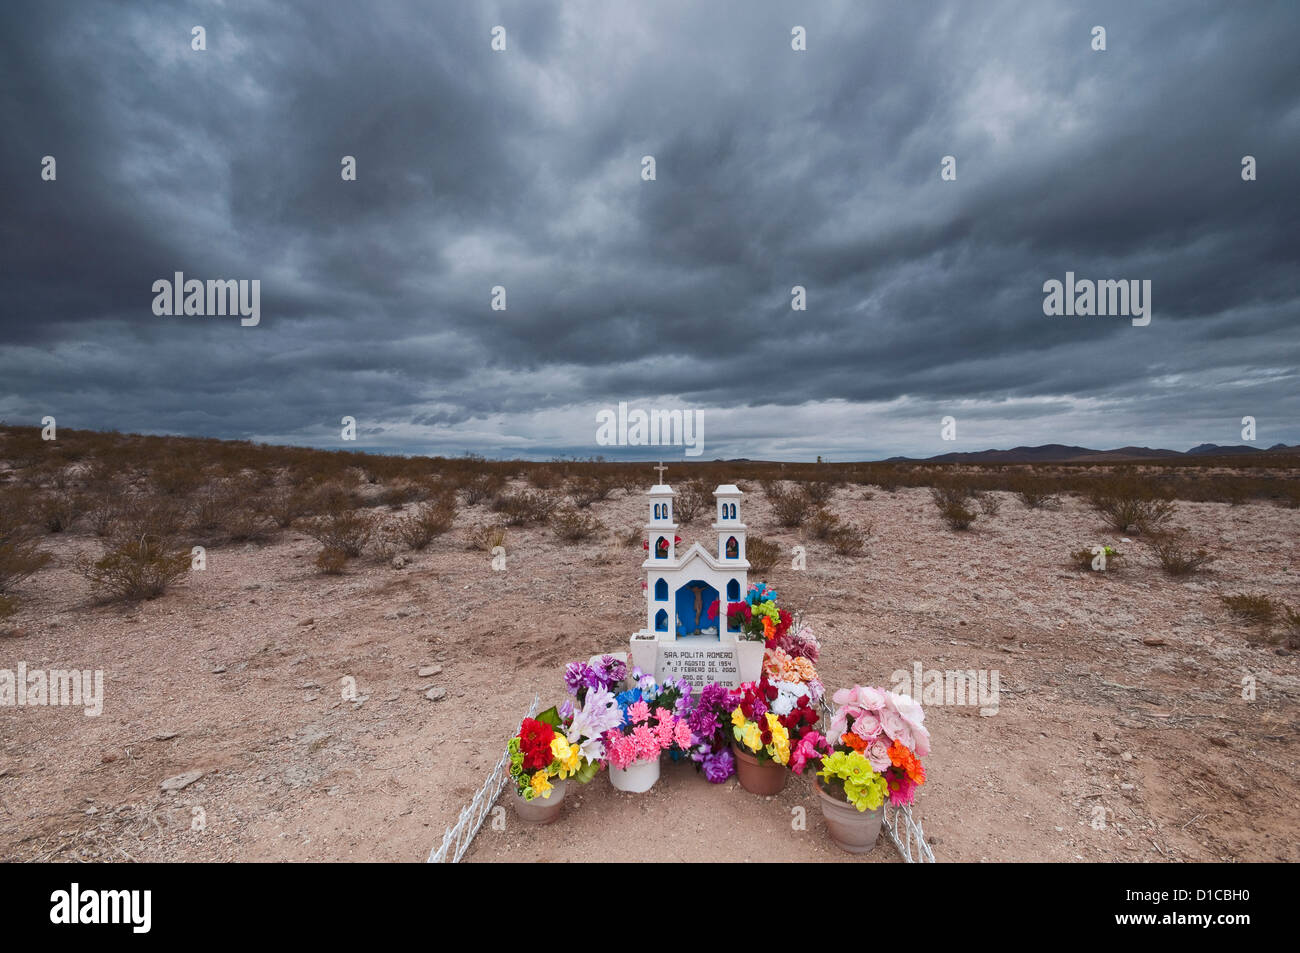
(774, 168)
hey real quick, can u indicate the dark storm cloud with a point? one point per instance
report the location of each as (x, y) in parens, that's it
(775, 168)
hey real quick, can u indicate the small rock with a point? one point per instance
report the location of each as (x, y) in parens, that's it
(436, 694)
(164, 736)
(218, 670)
(1126, 756)
(1153, 640)
(181, 781)
(1219, 742)
(400, 561)
(308, 621)
(428, 671)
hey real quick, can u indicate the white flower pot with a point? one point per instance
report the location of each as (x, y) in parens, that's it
(636, 778)
(749, 659)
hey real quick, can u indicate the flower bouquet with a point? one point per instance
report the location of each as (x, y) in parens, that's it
(710, 724)
(876, 740)
(757, 619)
(762, 739)
(651, 723)
(538, 753)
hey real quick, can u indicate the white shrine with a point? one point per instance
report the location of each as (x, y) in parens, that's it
(679, 637)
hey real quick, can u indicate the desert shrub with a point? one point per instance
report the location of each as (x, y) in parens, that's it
(1176, 554)
(1034, 492)
(1258, 609)
(481, 486)
(587, 490)
(519, 509)
(1082, 558)
(399, 494)
(344, 530)
(213, 510)
(572, 525)
(762, 554)
(692, 497)
(138, 517)
(952, 498)
(819, 492)
(57, 511)
(102, 517)
(331, 560)
(330, 498)
(849, 540)
(486, 538)
(19, 559)
(1291, 627)
(1124, 500)
(544, 478)
(8, 606)
(791, 508)
(247, 523)
(771, 488)
(990, 503)
(429, 521)
(822, 524)
(135, 569)
(176, 479)
(284, 505)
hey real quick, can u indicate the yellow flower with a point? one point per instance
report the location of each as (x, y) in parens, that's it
(541, 786)
(753, 738)
(569, 756)
(738, 718)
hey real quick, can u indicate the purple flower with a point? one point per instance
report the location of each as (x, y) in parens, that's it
(577, 675)
(610, 670)
(718, 767)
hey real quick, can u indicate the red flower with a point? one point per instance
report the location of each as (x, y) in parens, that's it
(713, 610)
(535, 743)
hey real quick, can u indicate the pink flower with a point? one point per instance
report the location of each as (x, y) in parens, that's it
(664, 733)
(645, 743)
(808, 749)
(638, 712)
(682, 735)
(620, 749)
(663, 714)
(878, 754)
(867, 726)
(910, 711)
(901, 790)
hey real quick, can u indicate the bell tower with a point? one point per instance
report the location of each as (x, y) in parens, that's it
(661, 531)
(730, 529)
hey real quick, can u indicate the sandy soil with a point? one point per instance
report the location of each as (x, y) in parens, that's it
(1121, 696)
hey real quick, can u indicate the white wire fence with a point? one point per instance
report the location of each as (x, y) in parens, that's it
(903, 829)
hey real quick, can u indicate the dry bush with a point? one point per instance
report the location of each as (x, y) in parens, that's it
(331, 560)
(482, 486)
(1082, 559)
(284, 505)
(248, 523)
(544, 478)
(57, 511)
(952, 499)
(762, 554)
(573, 526)
(348, 531)
(399, 494)
(486, 538)
(771, 488)
(819, 492)
(428, 522)
(19, 557)
(1175, 553)
(176, 479)
(135, 569)
(850, 540)
(139, 517)
(791, 508)
(330, 498)
(8, 606)
(519, 509)
(587, 490)
(1125, 500)
(1260, 610)
(822, 524)
(1291, 627)
(1034, 492)
(990, 503)
(692, 498)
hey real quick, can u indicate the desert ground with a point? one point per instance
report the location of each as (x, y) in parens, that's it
(1121, 731)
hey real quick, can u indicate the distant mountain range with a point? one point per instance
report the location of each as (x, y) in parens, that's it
(1060, 453)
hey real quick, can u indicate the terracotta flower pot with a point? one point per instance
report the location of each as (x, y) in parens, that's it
(852, 830)
(764, 778)
(541, 810)
(636, 778)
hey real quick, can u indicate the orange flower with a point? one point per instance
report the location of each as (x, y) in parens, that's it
(769, 630)
(902, 757)
(854, 742)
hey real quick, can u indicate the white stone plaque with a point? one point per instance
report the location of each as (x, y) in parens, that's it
(699, 665)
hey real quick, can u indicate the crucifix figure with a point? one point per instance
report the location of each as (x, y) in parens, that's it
(699, 604)
(661, 468)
